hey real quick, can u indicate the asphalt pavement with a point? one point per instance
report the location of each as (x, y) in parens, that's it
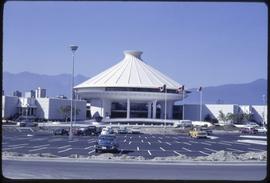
(92, 170)
(25, 140)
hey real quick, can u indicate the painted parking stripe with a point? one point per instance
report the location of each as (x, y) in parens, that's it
(168, 143)
(153, 136)
(68, 149)
(129, 142)
(62, 147)
(204, 153)
(206, 143)
(32, 150)
(235, 150)
(142, 141)
(210, 149)
(212, 137)
(193, 142)
(241, 143)
(159, 141)
(88, 147)
(73, 141)
(259, 142)
(125, 140)
(256, 149)
(162, 149)
(91, 140)
(186, 149)
(149, 152)
(55, 140)
(41, 146)
(139, 136)
(138, 148)
(178, 142)
(253, 137)
(17, 145)
(177, 153)
(90, 152)
(160, 137)
(145, 137)
(13, 148)
(187, 143)
(130, 137)
(211, 142)
(224, 143)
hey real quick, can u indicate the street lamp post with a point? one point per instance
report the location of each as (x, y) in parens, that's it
(73, 49)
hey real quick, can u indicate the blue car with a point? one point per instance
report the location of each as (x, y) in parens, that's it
(106, 143)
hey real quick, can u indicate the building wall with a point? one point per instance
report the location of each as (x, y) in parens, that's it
(42, 108)
(96, 107)
(9, 106)
(260, 112)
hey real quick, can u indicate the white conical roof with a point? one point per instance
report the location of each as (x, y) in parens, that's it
(130, 72)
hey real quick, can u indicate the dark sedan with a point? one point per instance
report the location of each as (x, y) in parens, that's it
(106, 143)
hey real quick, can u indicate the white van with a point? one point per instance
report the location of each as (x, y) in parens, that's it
(183, 123)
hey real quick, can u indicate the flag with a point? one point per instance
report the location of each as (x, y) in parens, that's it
(181, 88)
(199, 89)
(162, 88)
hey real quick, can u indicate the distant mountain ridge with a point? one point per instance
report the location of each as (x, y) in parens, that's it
(246, 93)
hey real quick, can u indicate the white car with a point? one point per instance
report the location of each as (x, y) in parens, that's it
(262, 129)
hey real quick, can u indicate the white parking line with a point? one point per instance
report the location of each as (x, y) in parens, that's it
(178, 142)
(62, 147)
(159, 141)
(210, 142)
(64, 150)
(91, 151)
(186, 149)
(13, 148)
(224, 143)
(149, 153)
(256, 149)
(253, 137)
(142, 141)
(193, 142)
(168, 143)
(187, 143)
(130, 137)
(139, 136)
(54, 140)
(145, 137)
(206, 143)
(15, 145)
(88, 147)
(177, 153)
(235, 150)
(129, 142)
(203, 152)
(153, 136)
(125, 140)
(241, 143)
(41, 146)
(73, 141)
(162, 149)
(91, 140)
(138, 148)
(149, 143)
(32, 150)
(160, 137)
(260, 142)
(210, 149)
(125, 136)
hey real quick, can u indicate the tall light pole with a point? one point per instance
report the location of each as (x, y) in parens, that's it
(73, 49)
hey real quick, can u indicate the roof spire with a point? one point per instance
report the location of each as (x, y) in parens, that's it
(133, 53)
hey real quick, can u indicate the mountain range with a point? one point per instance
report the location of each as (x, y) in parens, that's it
(55, 85)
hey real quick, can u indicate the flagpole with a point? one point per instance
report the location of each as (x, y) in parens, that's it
(201, 105)
(165, 117)
(183, 112)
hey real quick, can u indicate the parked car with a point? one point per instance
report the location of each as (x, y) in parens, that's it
(107, 130)
(61, 131)
(90, 130)
(106, 143)
(135, 131)
(249, 130)
(261, 129)
(122, 130)
(207, 130)
(197, 133)
(27, 124)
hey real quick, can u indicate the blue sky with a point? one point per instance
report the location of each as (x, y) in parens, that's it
(196, 44)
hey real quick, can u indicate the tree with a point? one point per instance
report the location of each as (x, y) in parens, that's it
(222, 116)
(65, 110)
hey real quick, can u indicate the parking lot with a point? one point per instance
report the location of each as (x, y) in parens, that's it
(147, 145)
